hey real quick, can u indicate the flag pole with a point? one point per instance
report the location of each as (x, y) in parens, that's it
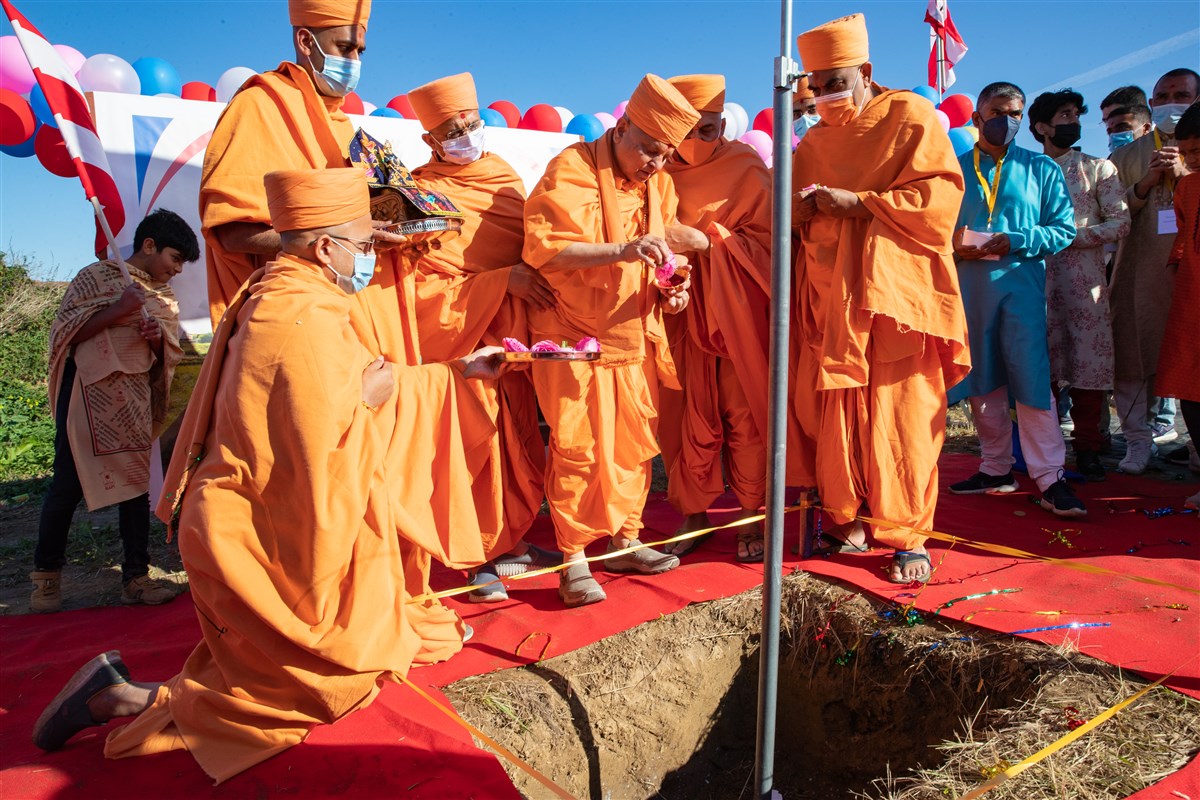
(112, 242)
(787, 71)
(941, 48)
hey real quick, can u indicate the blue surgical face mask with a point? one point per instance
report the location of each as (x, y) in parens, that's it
(801, 124)
(1119, 139)
(339, 76)
(364, 270)
(1166, 117)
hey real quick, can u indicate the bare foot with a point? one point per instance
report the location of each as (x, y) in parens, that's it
(750, 543)
(123, 700)
(910, 566)
(693, 522)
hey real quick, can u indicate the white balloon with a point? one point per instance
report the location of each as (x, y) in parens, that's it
(368, 107)
(743, 119)
(231, 80)
(565, 115)
(108, 73)
(731, 126)
(606, 119)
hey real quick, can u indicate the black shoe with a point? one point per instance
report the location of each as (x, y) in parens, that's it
(1088, 464)
(1060, 500)
(68, 713)
(1179, 455)
(982, 483)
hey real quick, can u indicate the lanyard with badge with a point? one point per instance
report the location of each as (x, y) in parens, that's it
(990, 193)
(1167, 223)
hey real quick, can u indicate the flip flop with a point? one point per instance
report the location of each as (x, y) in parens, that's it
(837, 546)
(902, 558)
(748, 538)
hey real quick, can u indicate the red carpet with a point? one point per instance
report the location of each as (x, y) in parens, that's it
(400, 746)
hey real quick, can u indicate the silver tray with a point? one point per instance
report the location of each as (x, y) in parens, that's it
(551, 356)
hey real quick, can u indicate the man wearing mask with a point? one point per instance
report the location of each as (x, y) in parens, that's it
(719, 343)
(878, 327)
(474, 290)
(288, 118)
(804, 109)
(1149, 168)
(1081, 351)
(1126, 116)
(1015, 213)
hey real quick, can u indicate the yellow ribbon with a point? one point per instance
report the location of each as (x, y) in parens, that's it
(1082, 730)
(990, 193)
(490, 742)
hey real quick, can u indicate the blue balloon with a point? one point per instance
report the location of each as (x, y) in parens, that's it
(961, 141)
(928, 92)
(157, 76)
(41, 109)
(587, 126)
(384, 111)
(492, 118)
(24, 149)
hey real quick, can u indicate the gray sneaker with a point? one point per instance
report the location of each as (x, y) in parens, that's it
(1162, 433)
(647, 560)
(577, 587)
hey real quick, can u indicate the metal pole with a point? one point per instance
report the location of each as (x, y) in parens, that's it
(786, 71)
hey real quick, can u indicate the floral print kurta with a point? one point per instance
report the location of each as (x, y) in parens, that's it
(1077, 313)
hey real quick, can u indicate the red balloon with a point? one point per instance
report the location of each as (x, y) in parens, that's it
(198, 90)
(353, 104)
(52, 152)
(17, 122)
(508, 110)
(765, 121)
(541, 117)
(400, 103)
(958, 108)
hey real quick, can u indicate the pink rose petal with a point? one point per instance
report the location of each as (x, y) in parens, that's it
(588, 344)
(544, 346)
(513, 346)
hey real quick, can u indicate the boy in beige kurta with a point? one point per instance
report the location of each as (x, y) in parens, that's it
(111, 365)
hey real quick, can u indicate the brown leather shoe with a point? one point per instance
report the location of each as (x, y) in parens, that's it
(647, 561)
(145, 589)
(47, 592)
(577, 587)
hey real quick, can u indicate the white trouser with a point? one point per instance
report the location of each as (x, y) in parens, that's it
(1041, 439)
(1133, 399)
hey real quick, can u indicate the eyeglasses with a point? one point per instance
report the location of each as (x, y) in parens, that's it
(367, 245)
(458, 133)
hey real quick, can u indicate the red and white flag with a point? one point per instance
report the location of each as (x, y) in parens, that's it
(70, 109)
(946, 47)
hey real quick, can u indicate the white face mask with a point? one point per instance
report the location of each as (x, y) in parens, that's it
(465, 149)
(1166, 117)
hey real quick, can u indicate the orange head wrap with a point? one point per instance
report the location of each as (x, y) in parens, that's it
(836, 44)
(329, 13)
(438, 101)
(704, 92)
(306, 199)
(661, 111)
(803, 91)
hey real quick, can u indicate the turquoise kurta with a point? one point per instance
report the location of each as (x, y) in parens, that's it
(1005, 300)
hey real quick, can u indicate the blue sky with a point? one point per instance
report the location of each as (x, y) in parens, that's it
(588, 56)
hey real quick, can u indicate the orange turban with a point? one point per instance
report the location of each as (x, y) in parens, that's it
(803, 91)
(660, 110)
(438, 101)
(704, 92)
(305, 199)
(329, 13)
(837, 44)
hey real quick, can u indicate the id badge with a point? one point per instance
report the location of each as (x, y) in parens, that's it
(1167, 222)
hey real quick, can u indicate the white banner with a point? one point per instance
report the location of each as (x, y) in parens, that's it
(155, 146)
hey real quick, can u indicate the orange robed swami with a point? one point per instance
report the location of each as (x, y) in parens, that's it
(279, 120)
(720, 341)
(462, 303)
(603, 416)
(285, 522)
(879, 327)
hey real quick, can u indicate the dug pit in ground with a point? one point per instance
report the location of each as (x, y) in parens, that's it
(869, 706)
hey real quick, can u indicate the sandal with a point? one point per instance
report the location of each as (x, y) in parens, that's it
(837, 546)
(746, 541)
(902, 558)
(686, 546)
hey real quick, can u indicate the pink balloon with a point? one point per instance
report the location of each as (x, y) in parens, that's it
(606, 119)
(944, 119)
(619, 111)
(72, 57)
(15, 74)
(761, 143)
